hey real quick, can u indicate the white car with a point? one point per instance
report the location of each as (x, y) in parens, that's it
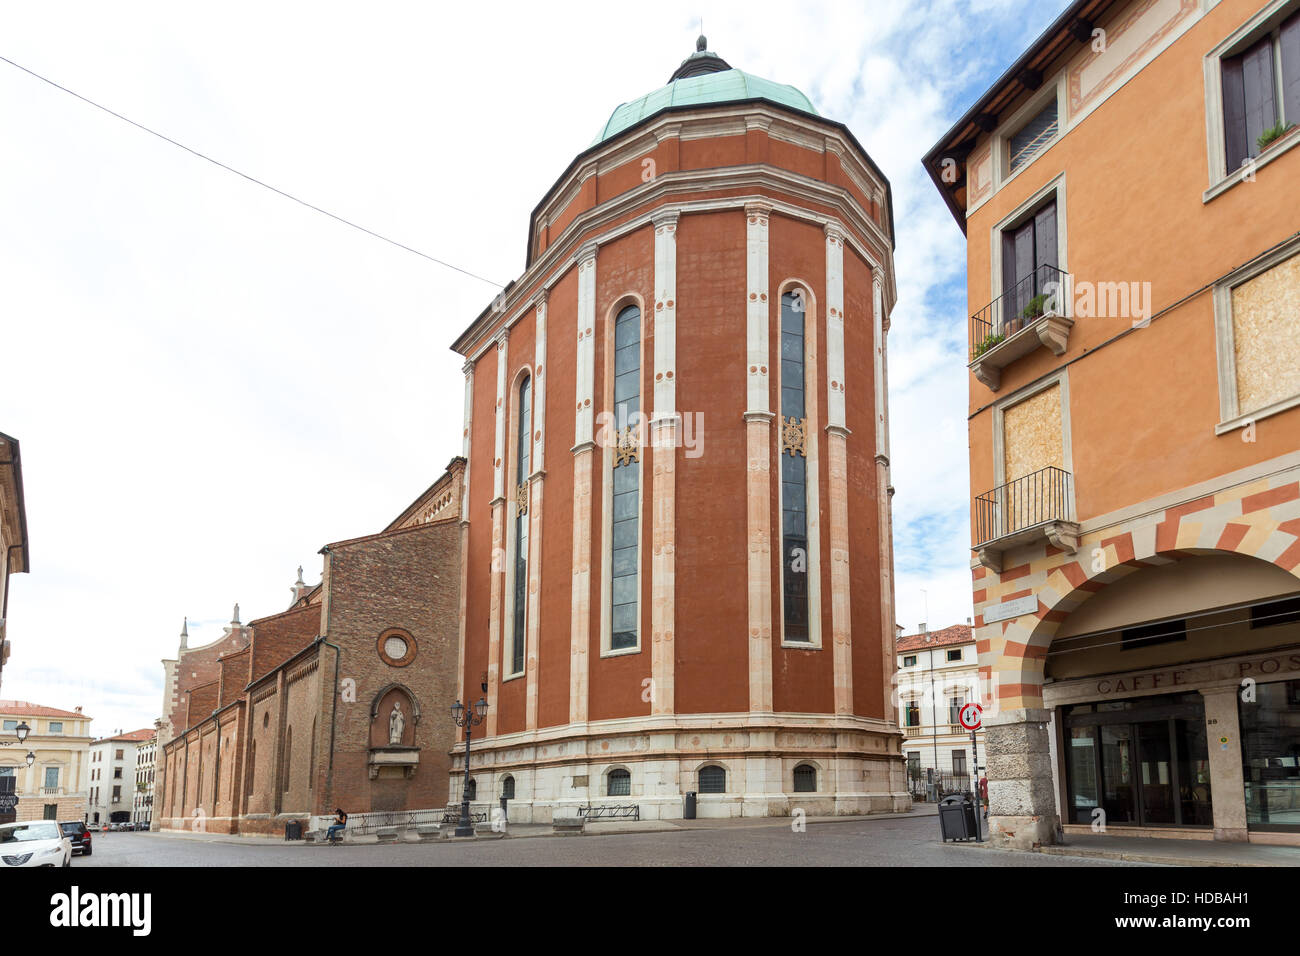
(34, 843)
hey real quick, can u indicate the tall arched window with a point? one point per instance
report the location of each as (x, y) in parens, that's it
(288, 759)
(471, 789)
(794, 470)
(508, 788)
(625, 541)
(523, 465)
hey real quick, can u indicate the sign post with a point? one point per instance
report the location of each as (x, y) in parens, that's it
(971, 717)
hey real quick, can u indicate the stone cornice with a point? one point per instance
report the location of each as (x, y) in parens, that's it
(876, 248)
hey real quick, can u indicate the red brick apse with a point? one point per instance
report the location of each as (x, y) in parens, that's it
(676, 559)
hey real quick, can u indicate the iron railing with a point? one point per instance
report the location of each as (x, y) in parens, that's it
(630, 811)
(1023, 503)
(919, 785)
(370, 822)
(1041, 292)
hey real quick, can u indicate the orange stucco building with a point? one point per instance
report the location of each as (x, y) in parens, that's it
(676, 544)
(1127, 190)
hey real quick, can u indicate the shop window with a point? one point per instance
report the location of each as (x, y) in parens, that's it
(805, 779)
(1270, 748)
(713, 779)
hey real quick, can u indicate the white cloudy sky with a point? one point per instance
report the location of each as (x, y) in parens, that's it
(210, 382)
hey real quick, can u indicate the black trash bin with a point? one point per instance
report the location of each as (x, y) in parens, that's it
(957, 819)
(689, 814)
(293, 830)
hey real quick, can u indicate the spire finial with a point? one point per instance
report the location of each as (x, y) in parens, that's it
(185, 627)
(702, 43)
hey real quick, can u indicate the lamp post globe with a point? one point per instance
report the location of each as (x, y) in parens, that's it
(22, 730)
(31, 758)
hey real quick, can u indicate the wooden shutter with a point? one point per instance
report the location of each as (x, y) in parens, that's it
(1234, 114)
(1045, 238)
(1290, 68)
(1261, 101)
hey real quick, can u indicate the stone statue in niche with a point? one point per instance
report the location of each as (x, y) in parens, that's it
(396, 724)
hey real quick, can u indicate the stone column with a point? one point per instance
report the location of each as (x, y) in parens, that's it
(664, 423)
(837, 465)
(498, 540)
(1227, 787)
(536, 481)
(1022, 808)
(758, 438)
(583, 450)
(464, 529)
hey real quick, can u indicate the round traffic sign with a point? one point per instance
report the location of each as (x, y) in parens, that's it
(970, 716)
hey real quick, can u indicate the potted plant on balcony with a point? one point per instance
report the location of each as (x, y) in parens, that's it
(985, 344)
(1272, 135)
(1036, 308)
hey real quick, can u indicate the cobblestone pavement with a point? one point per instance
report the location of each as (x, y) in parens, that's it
(904, 841)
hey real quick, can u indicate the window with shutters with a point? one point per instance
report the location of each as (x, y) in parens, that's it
(1261, 92)
(1032, 138)
(713, 779)
(1252, 93)
(1030, 266)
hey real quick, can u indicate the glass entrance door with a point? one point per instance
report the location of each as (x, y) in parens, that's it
(1155, 767)
(1144, 762)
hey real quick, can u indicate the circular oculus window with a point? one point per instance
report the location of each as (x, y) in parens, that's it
(396, 648)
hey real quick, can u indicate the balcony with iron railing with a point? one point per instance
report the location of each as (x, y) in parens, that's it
(1039, 506)
(1034, 312)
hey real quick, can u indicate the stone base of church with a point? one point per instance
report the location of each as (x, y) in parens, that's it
(858, 767)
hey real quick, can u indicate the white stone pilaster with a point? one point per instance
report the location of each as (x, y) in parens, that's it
(837, 465)
(580, 603)
(498, 569)
(758, 430)
(535, 498)
(663, 427)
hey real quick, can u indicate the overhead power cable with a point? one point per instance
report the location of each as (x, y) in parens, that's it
(251, 179)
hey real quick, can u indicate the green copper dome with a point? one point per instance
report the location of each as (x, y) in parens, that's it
(703, 79)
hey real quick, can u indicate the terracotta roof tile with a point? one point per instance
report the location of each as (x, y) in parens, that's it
(946, 637)
(22, 708)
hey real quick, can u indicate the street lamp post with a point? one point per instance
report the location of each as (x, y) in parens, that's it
(469, 718)
(21, 732)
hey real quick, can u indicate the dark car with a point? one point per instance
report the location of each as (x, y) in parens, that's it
(80, 836)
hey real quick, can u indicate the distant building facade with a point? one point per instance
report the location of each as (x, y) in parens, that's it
(938, 673)
(54, 787)
(14, 556)
(145, 759)
(341, 700)
(112, 781)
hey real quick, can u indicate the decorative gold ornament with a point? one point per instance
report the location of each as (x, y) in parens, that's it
(521, 499)
(628, 448)
(794, 436)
